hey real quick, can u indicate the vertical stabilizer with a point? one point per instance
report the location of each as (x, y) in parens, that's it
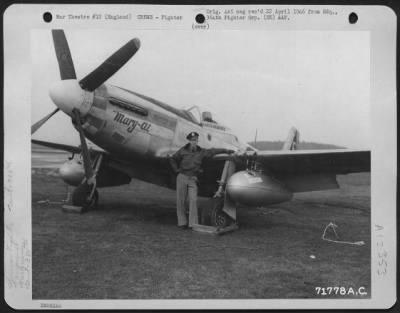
(292, 140)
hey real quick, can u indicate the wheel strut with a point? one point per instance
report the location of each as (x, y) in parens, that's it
(222, 209)
(86, 194)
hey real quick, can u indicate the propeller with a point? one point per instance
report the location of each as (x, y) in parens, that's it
(65, 64)
(39, 123)
(64, 58)
(73, 98)
(77, 120)
(110, 66)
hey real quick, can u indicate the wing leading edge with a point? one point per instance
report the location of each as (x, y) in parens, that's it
(300, 162)
(64, 147)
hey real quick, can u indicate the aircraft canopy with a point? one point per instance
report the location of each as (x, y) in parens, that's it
(200, 115)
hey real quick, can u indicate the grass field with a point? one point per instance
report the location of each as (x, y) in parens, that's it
(130, 248)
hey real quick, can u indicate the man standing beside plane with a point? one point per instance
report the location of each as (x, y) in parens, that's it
(187, 162)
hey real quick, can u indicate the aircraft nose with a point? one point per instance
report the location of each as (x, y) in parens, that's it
(68, 95)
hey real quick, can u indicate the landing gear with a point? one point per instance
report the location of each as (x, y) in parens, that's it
(218, 217)
(220, 211)
(85, 196)
(95, 199)
(214, 215)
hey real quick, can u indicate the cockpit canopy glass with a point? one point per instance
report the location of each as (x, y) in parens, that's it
(200, 115)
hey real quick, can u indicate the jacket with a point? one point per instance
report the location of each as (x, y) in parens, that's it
(189, 162)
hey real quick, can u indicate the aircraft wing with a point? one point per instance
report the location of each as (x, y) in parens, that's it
(69, 148)
(300, 162)
(306, 170)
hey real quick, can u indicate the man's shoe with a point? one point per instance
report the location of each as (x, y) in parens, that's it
(183, 226)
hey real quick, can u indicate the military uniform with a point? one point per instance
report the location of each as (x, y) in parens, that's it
(187, 163)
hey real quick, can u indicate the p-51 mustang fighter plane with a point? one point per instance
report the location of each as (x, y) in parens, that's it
(136, 135)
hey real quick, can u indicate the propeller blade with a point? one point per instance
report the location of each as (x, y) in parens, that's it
(85, 151)
(39, 123)
(108, 68)
(65, 63)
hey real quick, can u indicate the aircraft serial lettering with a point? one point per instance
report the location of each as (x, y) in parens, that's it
(131, 123)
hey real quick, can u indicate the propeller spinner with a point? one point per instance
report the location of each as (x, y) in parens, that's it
(68, 95)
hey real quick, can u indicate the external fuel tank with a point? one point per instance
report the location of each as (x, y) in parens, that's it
(256, 189)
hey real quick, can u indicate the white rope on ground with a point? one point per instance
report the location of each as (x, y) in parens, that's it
(333, 226)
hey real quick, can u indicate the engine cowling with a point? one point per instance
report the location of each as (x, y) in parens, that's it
(256, 189)
(72, 172)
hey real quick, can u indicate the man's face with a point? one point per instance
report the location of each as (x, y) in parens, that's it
(193, 142)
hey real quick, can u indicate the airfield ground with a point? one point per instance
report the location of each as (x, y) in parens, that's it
(130, 248)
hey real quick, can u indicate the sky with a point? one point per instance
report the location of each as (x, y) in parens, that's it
(317, 81)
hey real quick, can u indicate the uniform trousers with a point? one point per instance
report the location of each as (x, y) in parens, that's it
(186, 186)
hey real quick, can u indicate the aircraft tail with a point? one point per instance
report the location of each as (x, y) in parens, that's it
(292, 140)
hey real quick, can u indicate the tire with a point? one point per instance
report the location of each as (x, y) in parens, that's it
(218, 218)
(80, 195)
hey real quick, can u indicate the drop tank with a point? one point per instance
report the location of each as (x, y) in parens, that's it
(256, 189)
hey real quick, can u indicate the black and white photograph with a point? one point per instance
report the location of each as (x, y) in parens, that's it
(221, 157)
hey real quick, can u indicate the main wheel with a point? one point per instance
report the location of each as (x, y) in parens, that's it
(80, 197)
(218, 217)
(213, 214)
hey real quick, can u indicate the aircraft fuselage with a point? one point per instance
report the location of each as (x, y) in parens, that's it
(134, 126)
